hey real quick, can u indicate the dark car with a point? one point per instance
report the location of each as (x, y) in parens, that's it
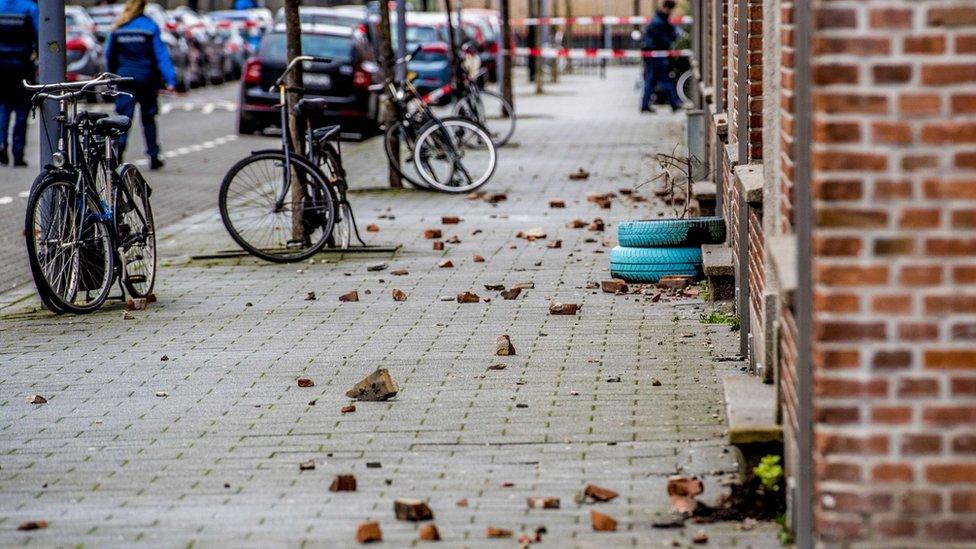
(344, 82)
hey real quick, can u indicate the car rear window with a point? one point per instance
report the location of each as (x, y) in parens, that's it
(337, 48)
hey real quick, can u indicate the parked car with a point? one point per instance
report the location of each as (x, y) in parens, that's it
(84, 54)
(104, 17)
(234, 51)
(344, 82)
(432, 68)
(205, 53)
(77, 19)
(251, 24)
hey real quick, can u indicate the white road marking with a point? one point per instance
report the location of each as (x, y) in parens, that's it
(23, 194)
(208, 108)
(6, 199)
(165, 108)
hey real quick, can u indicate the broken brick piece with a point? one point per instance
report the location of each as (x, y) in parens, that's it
(553, 244)
(136, 304)
(400, 272)
(412, 509)
(503, 346)
(445, 264)
(525, 285)
(601, 522)
(477, 258)
(563, 308)
(679, 485)
(307, 465)
(614, 286)
(450, 219)
(511, 293)
(348, 409)
(468, 297)
(539, 502)
(497, 197)
(438, 245)
(674, 282)
(576, 224)
(305, 382)
(596, 225)
(32, 525)
(454, 240)
(535, 233)
(599, 493)
(343, 483)
(431, 234)
(368, 532)
(36, 399)
(377, 386)
(372, 228)
(557, 204)
(700, 538)
(579, 175)
(463, 502)
(428, 532)
(351, 295)
(399, 295)
(494, 532)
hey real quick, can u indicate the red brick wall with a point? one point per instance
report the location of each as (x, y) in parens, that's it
(757, 271)
(894, 266)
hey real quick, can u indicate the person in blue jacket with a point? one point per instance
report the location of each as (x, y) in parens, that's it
(18, 43)
(660, 34)
(135, 49)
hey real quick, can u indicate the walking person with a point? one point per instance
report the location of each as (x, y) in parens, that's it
(660, 34)
(18, 44)
(135, 49)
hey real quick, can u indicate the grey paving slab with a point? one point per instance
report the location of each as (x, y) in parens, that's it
(107, 462)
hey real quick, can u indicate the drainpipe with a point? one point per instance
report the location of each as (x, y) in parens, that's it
(803, 513)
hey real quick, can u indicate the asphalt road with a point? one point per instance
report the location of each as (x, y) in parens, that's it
(199, 141)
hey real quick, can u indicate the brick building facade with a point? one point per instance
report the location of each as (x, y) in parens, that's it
(841, 137)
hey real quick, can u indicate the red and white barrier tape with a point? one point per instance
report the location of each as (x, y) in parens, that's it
(437, 94)
(598, 53)
(597, 20)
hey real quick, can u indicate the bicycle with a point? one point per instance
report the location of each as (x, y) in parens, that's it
(89, 221)
(485, 107)
(452, 154)
(283, 205)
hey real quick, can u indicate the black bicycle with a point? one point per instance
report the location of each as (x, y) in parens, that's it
(89, 221)
(486, 107)
(452, 154)
(284, 205)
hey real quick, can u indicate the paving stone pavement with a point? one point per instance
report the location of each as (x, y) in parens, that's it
(108, 462)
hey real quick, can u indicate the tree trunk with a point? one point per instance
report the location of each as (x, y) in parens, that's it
(455, 49)
(508, 56)
(388, 64)
(293, 39)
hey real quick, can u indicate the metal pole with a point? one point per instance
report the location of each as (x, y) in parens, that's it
(50, 46)
(401, 12)
(803, 503)
(508, 55)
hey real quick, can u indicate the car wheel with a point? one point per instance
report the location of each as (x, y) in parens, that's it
(246, 126)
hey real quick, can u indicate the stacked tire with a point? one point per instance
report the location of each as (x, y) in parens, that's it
(651, 249)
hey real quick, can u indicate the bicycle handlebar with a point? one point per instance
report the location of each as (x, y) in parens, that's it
(73, 89)
(294, 62)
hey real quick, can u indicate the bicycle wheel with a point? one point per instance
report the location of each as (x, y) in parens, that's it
(264, 216)
(136, 232)
(455, 155)
(330, 163)
(685, 83)
(401, 160)
(69, 247)
(492, 111)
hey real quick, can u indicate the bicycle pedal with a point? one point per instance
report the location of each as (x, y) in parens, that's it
(136, 279)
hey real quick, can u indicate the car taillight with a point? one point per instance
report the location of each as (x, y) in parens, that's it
(76, 44)
(252, 71)
(361, 78)
(493, 48)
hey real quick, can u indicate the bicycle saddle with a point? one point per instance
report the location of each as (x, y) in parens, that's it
(113, 124)
(92, 116)
(325, 132)
(308, 106)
